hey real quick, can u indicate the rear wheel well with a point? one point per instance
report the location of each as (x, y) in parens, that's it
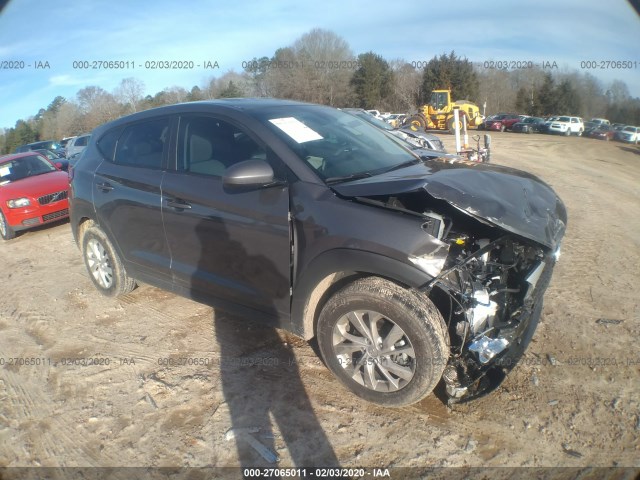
(84, 224)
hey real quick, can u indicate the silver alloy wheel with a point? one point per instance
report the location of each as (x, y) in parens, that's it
(99, 263)
(376, 352)
(3, 225)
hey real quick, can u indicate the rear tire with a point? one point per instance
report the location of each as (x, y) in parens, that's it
(387, 344)
(104, 265)
(6, 231)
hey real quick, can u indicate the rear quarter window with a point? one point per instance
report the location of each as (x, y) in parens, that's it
(143, 144)
(107, 143)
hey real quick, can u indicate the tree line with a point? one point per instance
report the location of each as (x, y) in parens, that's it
(320, 67)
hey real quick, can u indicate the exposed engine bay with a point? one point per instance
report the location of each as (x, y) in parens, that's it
(487, 287)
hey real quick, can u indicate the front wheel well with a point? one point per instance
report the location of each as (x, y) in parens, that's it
(324, 290)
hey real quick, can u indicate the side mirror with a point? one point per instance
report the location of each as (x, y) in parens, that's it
(249, 173)
(58, 165)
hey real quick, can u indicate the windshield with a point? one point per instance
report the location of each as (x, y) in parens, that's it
(629, 129)
(24, 167)
(333, 143)
(564, 119)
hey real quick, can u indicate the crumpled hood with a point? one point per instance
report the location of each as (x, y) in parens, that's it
(511, 199)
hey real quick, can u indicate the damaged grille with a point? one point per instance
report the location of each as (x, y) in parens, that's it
(53, 197)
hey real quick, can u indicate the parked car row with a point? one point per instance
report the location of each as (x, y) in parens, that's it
(66, 148)
(598, 128)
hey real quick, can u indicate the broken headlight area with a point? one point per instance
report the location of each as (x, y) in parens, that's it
(487, 281)
(490, 293)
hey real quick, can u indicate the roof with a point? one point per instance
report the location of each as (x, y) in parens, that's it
(237, 104)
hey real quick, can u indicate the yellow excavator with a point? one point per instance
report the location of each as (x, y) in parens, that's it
(438, 114)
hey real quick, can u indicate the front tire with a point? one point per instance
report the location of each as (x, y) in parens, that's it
(6, 231)
(417, 121)
(387, 344)
(104, 265)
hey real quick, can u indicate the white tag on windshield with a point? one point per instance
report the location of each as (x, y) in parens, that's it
(296, 129)
(4, 171)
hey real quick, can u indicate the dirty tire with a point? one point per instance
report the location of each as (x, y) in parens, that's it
(104, 265)
(6, 231)
(390, 315)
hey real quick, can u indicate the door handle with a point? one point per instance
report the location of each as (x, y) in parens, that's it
(105, 187)
(178, 204)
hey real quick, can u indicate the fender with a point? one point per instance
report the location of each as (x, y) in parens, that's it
(321, 273)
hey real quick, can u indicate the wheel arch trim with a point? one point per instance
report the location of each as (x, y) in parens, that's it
(330, 266)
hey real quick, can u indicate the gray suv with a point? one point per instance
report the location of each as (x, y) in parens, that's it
(409, 271)
(77, 145)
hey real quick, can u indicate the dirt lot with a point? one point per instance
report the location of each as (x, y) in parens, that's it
(574, 401)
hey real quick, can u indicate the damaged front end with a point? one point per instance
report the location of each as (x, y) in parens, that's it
(501, 230)
(492, 293)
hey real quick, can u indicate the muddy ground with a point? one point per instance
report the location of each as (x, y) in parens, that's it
(164, 375)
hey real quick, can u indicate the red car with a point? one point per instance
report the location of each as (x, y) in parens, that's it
(502, 121)
(603, 132)
(32, 192)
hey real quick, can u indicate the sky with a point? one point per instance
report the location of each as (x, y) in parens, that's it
(40, 40)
